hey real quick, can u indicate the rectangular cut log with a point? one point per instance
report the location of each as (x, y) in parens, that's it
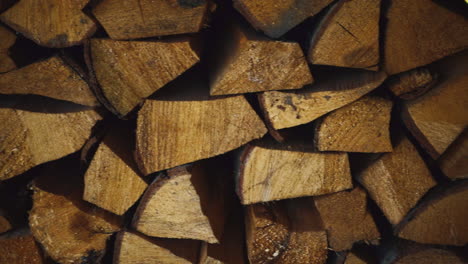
(134, 248)
(198, 129)
(288, 231)
(130, 19)
(397, 180)
(248, 62)
(346, 218)
(285, 109)
(268, 174)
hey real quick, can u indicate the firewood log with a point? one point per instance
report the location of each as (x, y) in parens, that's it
(453, 161)
(31, 138)
(288, 231)
(411, 84)
(433, 256)
(130, 71)
(397, 180)
(348, 36)
(248, 62)
(276, 18)
(69, 229)
(269, 173)
(134, 248)
(50, 23)
(285, 109)
(53, 78)
(440, 219)
(7, 39)
(420, 32)
(130, 19)
(346, 218)
(362, 126)
(112, 181)
(187, 203)
(199, 130)
(20, 247)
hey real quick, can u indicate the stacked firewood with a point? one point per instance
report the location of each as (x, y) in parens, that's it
(244, 131)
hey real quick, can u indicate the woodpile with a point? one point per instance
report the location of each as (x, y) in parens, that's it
(233, 132)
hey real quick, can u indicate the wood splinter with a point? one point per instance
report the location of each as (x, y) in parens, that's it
(130, 71)
(51, 23)
(347, 219)
(52, 78)
(397, 180)
(362, 126)
(248, 62)
(7, 39)
(286, 109)
(188, 203)
(348, 36)
(268, 174)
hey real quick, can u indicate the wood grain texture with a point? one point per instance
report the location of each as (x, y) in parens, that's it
(346, 218)
(268, 174)
(130, 71)
(414, 38)
(438, 117)
(31, 138)
(7, 39)
(397, 180)
(188, 203)
(249, 62)
(285, 232)
(411, 84)
(275, 18)
(20, 249)
(135, 248)
(50, 23)
(362, 126)
(453, 162)
(441, 220)
(348, 36)
(198, 129)
(283, 109)
(433, 256)
(130, 19)
(69, 229)
(52, 78)
(112, 181)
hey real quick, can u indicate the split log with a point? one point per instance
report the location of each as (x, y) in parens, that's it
(135, 248)
(438, 117)
(198, 129)
(453, 161)
(347, 219)
(362, 126)
(276, 18)
(268, 174)
(285, 232)
(130, 71)
(248, 62)
(397, 180)
(411, 84)
(414, 38)
(69, 229)
(440, 220)
(188, 203)
(433, 256)
(231, 249)
(53, 78)
(284, 109)
(352, 258)
(7, 39)
(20, 248)
(130, 19)
(348, 36)
(32, 138)
(112, 181)
(51, 23)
